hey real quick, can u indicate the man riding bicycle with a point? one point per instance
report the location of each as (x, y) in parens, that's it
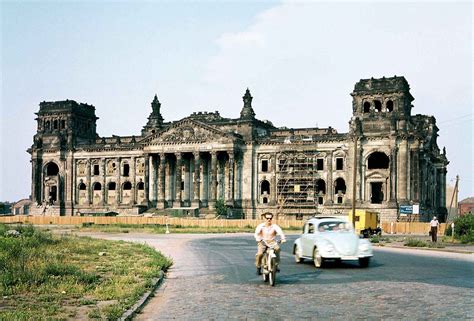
(267, 231)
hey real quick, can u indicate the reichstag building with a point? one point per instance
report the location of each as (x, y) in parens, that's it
(388, 158)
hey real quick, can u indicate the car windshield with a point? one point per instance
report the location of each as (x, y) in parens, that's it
(334, 226)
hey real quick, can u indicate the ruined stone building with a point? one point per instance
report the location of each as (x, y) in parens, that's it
(251, 165)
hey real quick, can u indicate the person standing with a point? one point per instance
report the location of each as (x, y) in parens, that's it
(434, 229)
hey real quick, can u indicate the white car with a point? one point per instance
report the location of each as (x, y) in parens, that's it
(331, 238)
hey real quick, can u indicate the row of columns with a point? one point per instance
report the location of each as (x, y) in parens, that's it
(174, 180)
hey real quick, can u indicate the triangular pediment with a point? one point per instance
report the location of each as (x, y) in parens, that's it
(189, 131)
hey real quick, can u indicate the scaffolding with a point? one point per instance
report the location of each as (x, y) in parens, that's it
(296, 181)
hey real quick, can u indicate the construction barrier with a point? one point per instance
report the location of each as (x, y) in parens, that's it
(387, 227)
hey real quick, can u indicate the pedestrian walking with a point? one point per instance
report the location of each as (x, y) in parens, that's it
(434, 229)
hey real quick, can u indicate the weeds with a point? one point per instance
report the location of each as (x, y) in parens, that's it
(47, 277)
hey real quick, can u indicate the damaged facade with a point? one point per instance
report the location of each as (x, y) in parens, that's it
(248, 163)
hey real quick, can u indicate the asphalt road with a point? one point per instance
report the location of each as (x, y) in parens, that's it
(213, 277)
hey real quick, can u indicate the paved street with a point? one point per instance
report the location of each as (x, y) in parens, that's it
(213, 277)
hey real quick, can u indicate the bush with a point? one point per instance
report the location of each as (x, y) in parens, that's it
(415, 243)
(221, 208)
(463, 228)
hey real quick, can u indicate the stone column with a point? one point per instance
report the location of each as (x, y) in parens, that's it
(133, 179)
(230, 185)
(393, 175)
(152, 179)
(330, 183)
(273, 187)
(197, 180)
(88, 182)
(213, 197)
(187, 182)
(178, 180)
(162, 179)
(103, 162)
(402, 171)
(33, 182)
(205, 181)
(118, 189)
(147, 178)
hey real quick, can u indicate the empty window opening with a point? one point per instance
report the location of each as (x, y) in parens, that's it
(141, 186)
(320, 200)
(339, 200)
(264, 165)
(182, 185)
(265, 187)
(378, 106)
(52, 169)
(320, 187)
(378, 160)
(376, 193)
(63, 124)
(340, 186)
(82, 187)
(265, 200)
(126, 169)
(127, 186)
(112, 186)
(389, 106)
(339, 164)
(97, 187)
(96, 169)
(55, 124)
(366, 107)
(320, 164)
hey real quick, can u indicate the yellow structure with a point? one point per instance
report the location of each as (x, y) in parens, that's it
(364, 220)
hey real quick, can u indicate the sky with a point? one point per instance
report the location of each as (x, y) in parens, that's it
(299, 59)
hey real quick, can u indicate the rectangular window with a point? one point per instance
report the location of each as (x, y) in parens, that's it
(126, 169)
(96, 169)
(264, 165)
(339, 164)
(320, 164)
(320, 200)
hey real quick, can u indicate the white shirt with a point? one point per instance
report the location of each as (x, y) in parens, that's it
(267, 233)
(434, 223)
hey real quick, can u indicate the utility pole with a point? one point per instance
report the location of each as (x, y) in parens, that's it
(354, 184)
(455, 192)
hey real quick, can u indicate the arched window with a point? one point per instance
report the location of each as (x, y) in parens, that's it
(340, 186)
(55, 124)
(265, 200)
(389, 106)
(97, 187)
(141, 186)
(366, 107)
(378, 160)
(378, 106)
(52, 169)
(127, 186)
(320, 187)
(112, 186)
(82, 187)
(265, 187)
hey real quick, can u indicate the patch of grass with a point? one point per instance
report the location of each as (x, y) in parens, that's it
(50, 277)
(415, 243)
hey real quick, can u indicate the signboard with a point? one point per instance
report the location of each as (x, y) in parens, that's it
(406, 209)
(416, 208)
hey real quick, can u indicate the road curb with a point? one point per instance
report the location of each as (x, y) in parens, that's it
(426, 249)
(137, 307)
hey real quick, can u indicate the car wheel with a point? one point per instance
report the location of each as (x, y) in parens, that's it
(317, 258)
(296, 251)
(364, 262)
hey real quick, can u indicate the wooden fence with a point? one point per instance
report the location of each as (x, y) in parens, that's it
(387, 227)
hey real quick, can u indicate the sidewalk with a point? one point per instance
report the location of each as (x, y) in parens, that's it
(398, 241)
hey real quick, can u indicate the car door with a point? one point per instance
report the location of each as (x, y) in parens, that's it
(307, 239)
